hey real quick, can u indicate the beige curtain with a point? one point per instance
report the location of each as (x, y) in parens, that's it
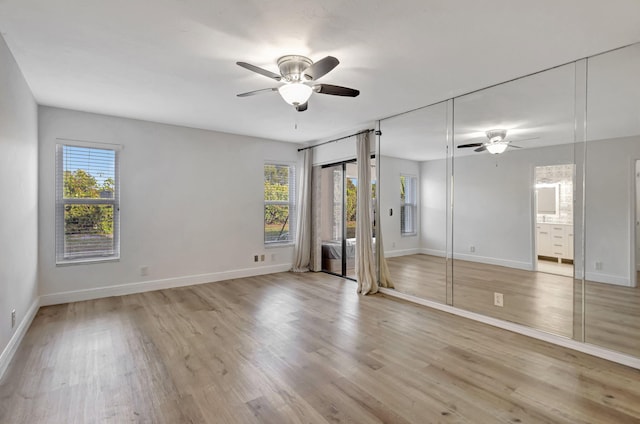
(316, 240)
(385, 276)
(365, 265)
(302, 248)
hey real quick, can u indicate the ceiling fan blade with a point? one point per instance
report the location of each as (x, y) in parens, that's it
(302, 107)
(525, 139)
(254, 92)
(480, 149)
(463, 146)
(335, 90)
(260, 71)
(514, 146)
(321, 68)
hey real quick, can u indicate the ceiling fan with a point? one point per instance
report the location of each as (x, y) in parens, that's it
(495, 144)
(297, 72)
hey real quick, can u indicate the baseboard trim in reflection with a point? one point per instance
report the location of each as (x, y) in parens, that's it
(527, 266)
(600, 352)
(403, 252)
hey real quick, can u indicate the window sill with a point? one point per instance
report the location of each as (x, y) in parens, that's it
(86, 261)
(274, 245)
(409, 235)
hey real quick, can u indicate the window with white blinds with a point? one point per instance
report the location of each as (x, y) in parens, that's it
(408, 205)
(279, 203)
(87, 202)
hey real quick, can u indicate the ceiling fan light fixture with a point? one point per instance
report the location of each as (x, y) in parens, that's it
(495, 136)
(295, 93)
(497, 147)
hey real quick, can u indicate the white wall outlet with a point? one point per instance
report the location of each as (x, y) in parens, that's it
(498, 299)
(256, 258)
(273, 257)
(262, 258)
(598, 266)
(144, 271)
(393, 244)
(472, 248)
(13, 318)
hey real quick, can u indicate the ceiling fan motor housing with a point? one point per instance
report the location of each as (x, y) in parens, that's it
(495, 136)
(292, 67)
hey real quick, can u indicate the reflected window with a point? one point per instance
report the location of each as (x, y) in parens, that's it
(408, 205)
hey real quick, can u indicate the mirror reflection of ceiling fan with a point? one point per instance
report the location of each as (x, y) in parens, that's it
(296, 72)
(496, 143)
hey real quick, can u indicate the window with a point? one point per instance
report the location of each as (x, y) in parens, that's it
(87, 202)
(408, 205)
(279, 203)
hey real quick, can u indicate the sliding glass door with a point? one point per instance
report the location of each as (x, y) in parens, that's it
(338, 218)
(339, 189)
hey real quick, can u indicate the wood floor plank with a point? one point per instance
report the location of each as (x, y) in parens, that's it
(540, 300)
(297, 348)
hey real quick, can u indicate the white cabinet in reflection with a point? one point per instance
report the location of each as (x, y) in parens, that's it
(555, 241)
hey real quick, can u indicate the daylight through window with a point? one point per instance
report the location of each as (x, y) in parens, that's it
(87, 203)
(279, 203)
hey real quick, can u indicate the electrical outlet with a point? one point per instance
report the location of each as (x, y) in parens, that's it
(144, 271)
(472, 248)
(273, 257)
(598, 266)
(393, 244)
(13, 318)
(498, 299)
(255, 258)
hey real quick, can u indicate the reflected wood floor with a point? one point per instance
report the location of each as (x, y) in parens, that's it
(297, 348)
(535, 299)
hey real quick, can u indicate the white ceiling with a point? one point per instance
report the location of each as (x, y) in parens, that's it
(173, 61)
(537, 111)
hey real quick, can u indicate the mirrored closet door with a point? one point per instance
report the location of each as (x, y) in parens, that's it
(612, 297)
(413, 200)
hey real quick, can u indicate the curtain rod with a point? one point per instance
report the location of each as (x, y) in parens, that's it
(337, 139)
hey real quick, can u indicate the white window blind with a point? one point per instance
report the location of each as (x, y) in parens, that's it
(279, 203)
(408, 205)
(87, 202)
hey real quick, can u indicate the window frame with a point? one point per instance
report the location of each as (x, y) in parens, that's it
(61, 202)
(411, 187)
(291, 203)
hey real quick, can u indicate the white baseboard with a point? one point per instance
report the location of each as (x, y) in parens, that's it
(167, 283)
(18, 335)
(600, 352)
(401, 252)
(527, 266)
(433, 252)
(608, 279)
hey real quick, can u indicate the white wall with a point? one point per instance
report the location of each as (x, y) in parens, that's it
(390, 171)
(609, 214)
(191, 206)
(433, 207)
(335, 152)
(340, 151)
(19, 188)
(493, 204)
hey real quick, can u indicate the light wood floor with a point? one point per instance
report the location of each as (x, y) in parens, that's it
(297, 348)
(540, 300)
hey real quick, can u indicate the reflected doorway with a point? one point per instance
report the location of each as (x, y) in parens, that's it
(554, 219)
(338, 197)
